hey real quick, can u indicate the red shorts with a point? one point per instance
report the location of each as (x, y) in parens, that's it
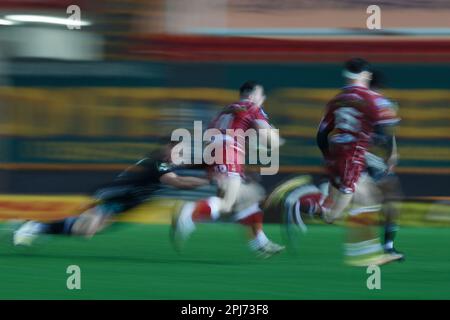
(231, 162)
(344, 169)
(226, 169)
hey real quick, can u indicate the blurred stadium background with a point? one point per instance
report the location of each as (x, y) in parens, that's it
(77, 106)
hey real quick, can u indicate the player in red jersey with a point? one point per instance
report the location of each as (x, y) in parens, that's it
(344, 136)
(238, 197)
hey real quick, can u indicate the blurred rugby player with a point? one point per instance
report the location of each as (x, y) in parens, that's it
(132, 187)
(238, 197)
(344, 137)
(382, 159)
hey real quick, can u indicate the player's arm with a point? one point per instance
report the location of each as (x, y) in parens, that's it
(272, 138)
(324, 130)
(385, 130)
(182, 182)
(384, 139)
(393, 158)
(385, 133)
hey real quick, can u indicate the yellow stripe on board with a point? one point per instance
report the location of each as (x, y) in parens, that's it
(48, 208)
(46, 112)
(159, 211)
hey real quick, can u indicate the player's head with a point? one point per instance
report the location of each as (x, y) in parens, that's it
(252, 91)
(164, 147)
(357, 71)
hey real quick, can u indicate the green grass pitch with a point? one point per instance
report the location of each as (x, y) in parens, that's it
(136, 261)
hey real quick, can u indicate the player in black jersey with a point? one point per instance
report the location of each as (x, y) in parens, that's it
(130, 188)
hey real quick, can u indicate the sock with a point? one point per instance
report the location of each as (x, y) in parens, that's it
(390, 230)
(206, 210)
(258, 241)
(310, 203)
(389, 245)
(363, 248)
(250, 215)
(202, 211)
(251, 219)
(362, 239)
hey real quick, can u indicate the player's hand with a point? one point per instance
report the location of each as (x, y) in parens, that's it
(392, 162)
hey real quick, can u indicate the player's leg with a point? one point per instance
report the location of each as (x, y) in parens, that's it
(391, 190)
(363, 245)
(343, 173)
(335, 203)
(205, 210)
(347, 184)
(87, 223)
(247, 212)
(362, 242)
(329, 204)
(229, 188)
(93, 219)
(233, 196)
(390, 187)
(312, 201)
